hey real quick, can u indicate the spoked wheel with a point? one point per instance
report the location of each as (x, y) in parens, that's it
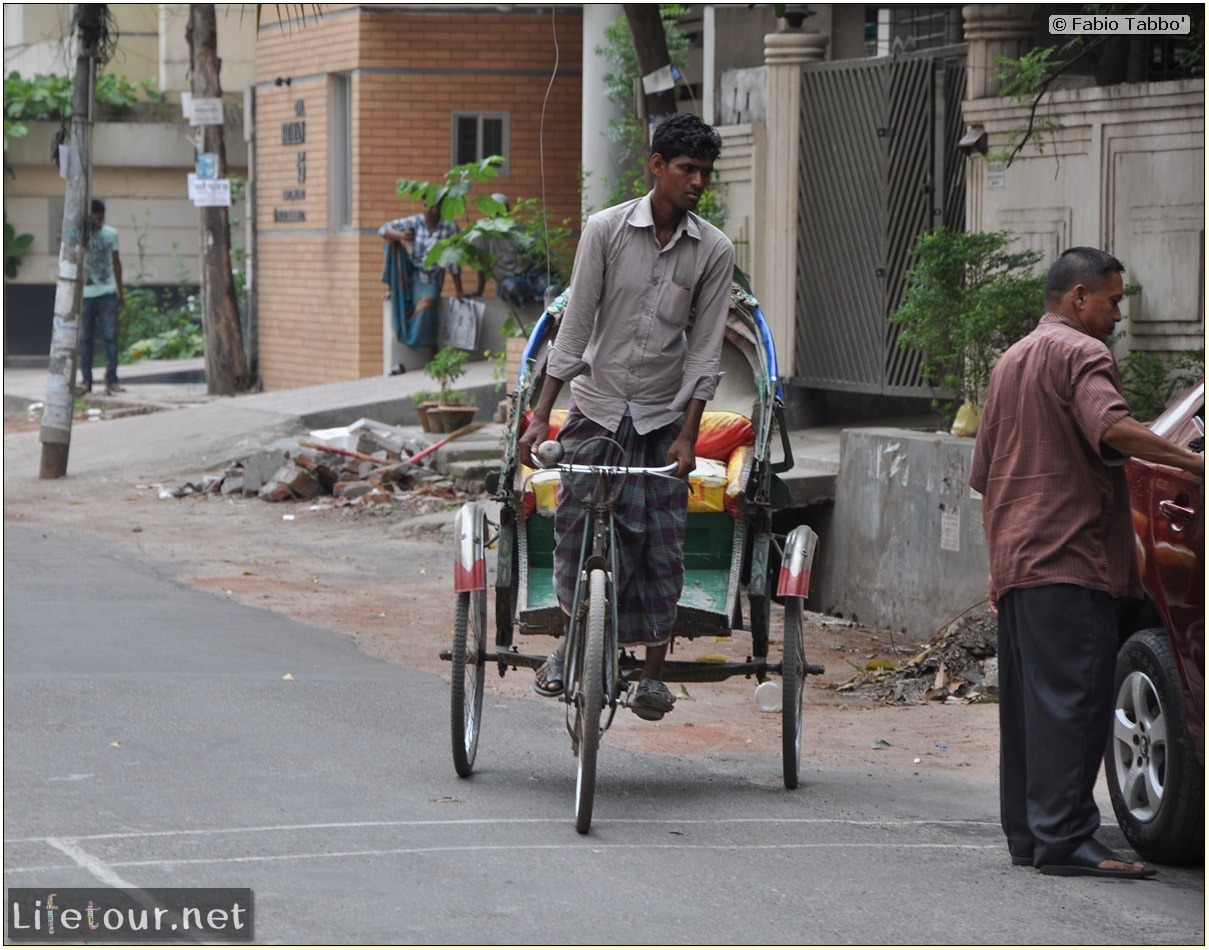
(589, 699)
(793, 679)
(469, 674)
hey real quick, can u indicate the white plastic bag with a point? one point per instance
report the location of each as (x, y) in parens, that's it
(460, 328)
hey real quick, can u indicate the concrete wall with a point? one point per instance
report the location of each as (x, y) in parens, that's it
(1125, 172)
(906, 549)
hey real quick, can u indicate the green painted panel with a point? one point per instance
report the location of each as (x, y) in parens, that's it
(706, 590)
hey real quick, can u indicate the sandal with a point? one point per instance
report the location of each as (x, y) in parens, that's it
(548, 680)
(652, 699)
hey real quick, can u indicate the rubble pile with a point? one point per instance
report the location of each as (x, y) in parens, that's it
(958, 664)
(382, 468)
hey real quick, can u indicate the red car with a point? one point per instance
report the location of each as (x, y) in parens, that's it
(1155, 761)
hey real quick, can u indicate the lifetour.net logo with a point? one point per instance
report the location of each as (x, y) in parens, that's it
(74, 915)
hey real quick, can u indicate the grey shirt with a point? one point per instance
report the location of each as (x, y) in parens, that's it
(622, 341)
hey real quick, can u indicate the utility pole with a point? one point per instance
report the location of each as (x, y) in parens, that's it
(88, 19)
(226, 363)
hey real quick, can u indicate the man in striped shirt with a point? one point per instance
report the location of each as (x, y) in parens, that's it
(1053, 440)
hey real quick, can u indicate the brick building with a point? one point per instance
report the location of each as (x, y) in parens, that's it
(362, 96)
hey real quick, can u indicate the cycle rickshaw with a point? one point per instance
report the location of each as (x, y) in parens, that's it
(730, 547)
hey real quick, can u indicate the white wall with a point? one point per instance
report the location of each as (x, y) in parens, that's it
(1126, 173)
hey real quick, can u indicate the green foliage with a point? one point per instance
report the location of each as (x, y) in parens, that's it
(545, 246)
(967, 300)
(175, 344)
(15, 246)
(1152, 382)
(48, 98)
(445, 368)
(1024, 80)
(453, 193)
(156, 325)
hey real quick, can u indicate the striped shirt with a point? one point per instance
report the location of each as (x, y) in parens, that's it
(1055, 498)
(423, 243)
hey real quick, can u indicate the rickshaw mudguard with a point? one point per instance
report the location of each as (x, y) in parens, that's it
(797, 562)
(470, 561)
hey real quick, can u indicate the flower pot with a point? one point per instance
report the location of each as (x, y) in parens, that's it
(422, 412)
(436, 422)
(454, 417)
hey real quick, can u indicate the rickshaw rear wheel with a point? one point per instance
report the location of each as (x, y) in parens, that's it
(468, 676)
(589, 699)
(793, 671)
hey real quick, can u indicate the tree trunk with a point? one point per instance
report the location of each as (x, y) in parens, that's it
(55, 433)
(650, 49)
(226, 362)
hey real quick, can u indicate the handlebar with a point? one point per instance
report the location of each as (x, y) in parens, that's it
(549, 456)
(615, 469)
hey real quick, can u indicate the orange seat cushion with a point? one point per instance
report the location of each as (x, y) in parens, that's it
(724, 459)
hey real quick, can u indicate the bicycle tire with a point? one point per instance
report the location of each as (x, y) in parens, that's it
(793, 677)
(468, 677)
(589, 699)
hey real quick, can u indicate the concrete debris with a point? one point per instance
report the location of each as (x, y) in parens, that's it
(367, 464)
(958, 664)
(307, 476)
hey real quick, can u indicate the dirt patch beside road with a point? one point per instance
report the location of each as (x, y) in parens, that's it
(383, 576)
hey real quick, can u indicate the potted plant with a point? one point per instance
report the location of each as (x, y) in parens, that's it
(451, 411)
(425, 399)
(968, 298)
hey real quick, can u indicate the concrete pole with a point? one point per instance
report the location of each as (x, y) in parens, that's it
(993, 30)
(775, 272)
(601, 158)
(55, 433)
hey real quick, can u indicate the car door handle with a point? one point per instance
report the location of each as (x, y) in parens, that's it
(1179, 516)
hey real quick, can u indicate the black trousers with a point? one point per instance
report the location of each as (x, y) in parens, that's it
(1057, 656)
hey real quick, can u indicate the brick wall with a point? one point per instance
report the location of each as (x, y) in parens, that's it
(319, 288)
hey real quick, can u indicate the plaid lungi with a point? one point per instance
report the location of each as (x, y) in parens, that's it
(650, 519)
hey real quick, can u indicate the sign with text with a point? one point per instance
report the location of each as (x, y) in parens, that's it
(209, 194)
(206, 112)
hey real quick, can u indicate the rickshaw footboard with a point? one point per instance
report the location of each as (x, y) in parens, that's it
(674, 671)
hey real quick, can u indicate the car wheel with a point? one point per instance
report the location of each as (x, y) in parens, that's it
(1154, 779)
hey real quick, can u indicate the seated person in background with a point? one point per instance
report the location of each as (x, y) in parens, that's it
(516, 283)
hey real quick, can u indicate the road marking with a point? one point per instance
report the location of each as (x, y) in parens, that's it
(90, 863)
(168, 863)
(501, 822)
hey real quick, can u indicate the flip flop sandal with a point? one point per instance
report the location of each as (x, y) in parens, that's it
(1086, 860)
(548, 674)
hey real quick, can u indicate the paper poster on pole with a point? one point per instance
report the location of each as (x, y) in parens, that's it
(209, 194)
(207, 166)
(206, 112)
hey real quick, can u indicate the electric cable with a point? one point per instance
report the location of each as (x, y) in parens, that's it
(541, 145)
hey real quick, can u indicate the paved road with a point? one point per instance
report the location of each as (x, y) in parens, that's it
(152, 741)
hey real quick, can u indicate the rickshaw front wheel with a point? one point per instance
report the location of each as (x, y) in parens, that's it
(468, 676)
(589, 699)
(793, 673)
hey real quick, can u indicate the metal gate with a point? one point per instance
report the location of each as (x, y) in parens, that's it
(880, 164)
